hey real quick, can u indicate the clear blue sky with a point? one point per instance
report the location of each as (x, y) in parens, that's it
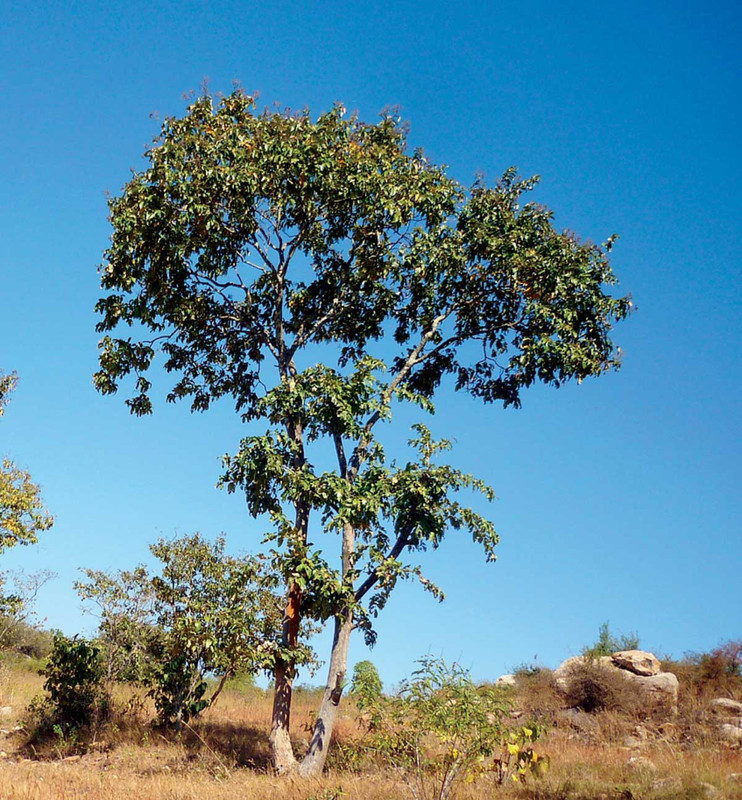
(618, 500)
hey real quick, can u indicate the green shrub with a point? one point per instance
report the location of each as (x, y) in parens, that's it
(441, 730)
(74, 682)
(608, 644)
(366, 685)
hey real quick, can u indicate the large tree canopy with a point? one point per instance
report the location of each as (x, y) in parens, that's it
(318, 272)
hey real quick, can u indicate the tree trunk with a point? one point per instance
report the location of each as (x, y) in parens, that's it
(316, 755)
(282, 753)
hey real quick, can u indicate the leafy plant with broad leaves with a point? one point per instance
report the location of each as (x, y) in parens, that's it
(320, 274)
(74, 683)
(441, 730)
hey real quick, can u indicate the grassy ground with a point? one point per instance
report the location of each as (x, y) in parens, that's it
(607, 756)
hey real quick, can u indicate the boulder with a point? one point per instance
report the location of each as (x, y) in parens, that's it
(726, 707)
(641, 764)
(637, 661)
(506, 680)
(663, 687)
(731, 733)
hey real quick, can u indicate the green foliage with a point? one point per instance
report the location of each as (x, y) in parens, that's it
(318, 273)
(366, 685)
(440, 730)
(204, 613)
(74, 682)
(607, 644)
(255, 236)
(22, 512)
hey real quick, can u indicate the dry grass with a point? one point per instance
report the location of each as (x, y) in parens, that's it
(225, 755)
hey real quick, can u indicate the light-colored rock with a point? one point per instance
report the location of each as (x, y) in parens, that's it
(731, 733)
(708, 790)
(637, 661)
(506, 680)
(6, 711)
(663, 687)
(641, 764)
(727, 707)
(581, 720)
(668, 785)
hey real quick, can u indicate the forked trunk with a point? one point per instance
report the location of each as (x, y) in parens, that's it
(314, 761)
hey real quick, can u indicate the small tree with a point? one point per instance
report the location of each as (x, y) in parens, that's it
(205, 613)
(22, 512)
(366, 684)
(318, 273)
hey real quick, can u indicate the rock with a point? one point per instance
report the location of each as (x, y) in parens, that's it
(723, 705)
(633, 742)
(637, 661)
(663, 687)
(668, 785)
(506, 680)
(731, 733)
(708, 790)
(581, 720)
(6, 711)
(641, 764)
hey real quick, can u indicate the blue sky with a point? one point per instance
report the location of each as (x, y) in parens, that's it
(617, 500)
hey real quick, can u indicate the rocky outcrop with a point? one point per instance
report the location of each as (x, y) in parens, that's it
(638, 666)
(506, 680)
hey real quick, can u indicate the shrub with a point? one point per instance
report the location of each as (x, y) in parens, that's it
(592, 687)
(440, 729)
(607, 644)
(76, 697)
(366, 684)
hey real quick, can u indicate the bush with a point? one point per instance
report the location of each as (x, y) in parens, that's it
(592, 687)
(608, 644)
(366, 684)
(74, 681)
(441, 729)
(76, 699)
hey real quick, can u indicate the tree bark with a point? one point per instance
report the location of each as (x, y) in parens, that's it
(314, 761)
(282, 753)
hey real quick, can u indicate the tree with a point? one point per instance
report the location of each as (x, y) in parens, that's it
(22, 512)
(204, 613)
(318, 273)
(366, 685)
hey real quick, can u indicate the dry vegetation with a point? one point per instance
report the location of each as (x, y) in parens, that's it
(617, 753)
